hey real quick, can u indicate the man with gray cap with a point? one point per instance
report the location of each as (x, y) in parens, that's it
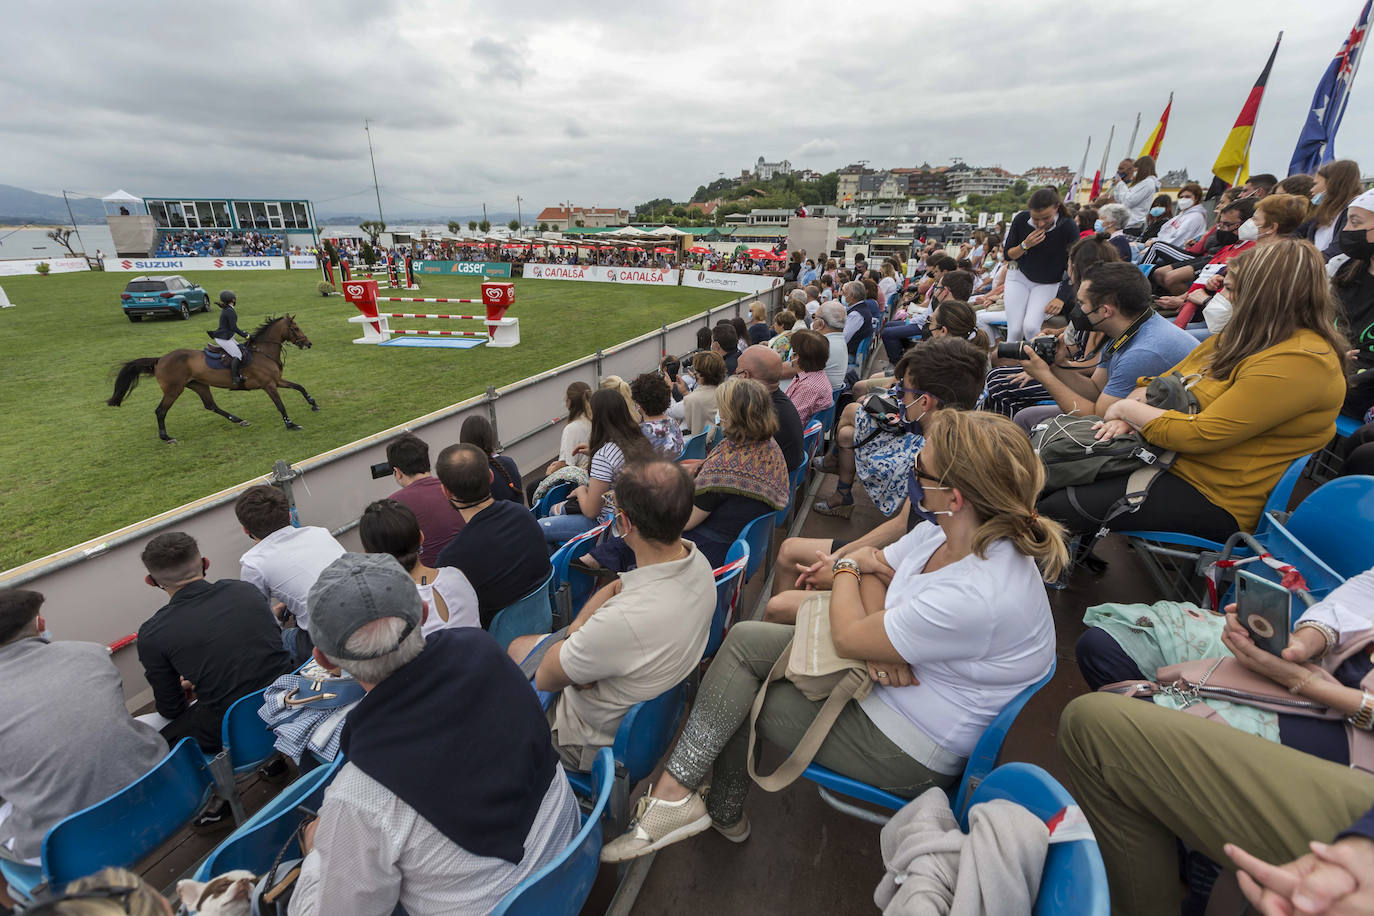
(438, 819)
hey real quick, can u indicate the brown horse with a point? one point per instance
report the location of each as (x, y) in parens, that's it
(182, 369)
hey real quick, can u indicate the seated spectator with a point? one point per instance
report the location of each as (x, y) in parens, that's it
(616, 438)
(951, 285)
(1169, 245)
(762, 364)
(69, 741)
(699, 403)
(1109, 221)
(741, 332)
(389, 527)
(830, 321)
(216, 641)
(758, 322)
(284, 560)
(744, 476)
(422, 494)
(1334, 189)
(1113, 298)
(622, 387)
(935, 373)
(652, 397)
(858, 316)
(1161, 211)
(576, 431)
(500, 550)
(1300, 185)
(505, 477)
(784, 322)
(1221, 245)
(810, 391)
(439, 820)
(725, 344)
(952, 621)
(1246, 800)
(1354, 286)
(639, 636)
(1270, 390)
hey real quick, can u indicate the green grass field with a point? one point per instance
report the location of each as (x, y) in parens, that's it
(77, 468)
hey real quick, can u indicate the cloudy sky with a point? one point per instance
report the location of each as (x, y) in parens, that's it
(613, 103)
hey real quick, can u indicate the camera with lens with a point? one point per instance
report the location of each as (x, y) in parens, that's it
(1042, 347)
(380, 470)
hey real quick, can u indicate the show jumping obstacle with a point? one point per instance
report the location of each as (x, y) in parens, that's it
(389, 275)
(497, 297)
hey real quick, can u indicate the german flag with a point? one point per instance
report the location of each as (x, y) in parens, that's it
(1156, 138)
(1233, 162)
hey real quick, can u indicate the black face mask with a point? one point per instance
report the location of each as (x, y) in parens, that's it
(1356, 243)
(1225, 237)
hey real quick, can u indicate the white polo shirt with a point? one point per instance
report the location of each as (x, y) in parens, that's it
(286, 563)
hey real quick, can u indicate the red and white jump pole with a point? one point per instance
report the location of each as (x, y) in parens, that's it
(497, 297)
(391, 272)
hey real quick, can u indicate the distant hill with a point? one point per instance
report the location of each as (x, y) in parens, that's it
(18, 206)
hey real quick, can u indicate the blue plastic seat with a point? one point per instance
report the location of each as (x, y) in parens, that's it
(123, 828)
(641, 740)
(1336, 523)
(1346, 425)
(1146, 268)
(827, 417)
(570, 587)
(1074, 879)
(729, 581)
(562, 887)
(530, 614)
(758, 534)
(248, 739)
(694, 449)
(980, 763)
(552, 497)
(254, 845)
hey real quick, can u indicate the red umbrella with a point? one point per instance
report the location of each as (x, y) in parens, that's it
(698, 249)
(634, 248)
(662, 250)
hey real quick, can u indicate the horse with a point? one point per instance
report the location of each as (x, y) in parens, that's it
(182, 369)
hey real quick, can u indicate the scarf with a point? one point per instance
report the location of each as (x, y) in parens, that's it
(458, 735)
(753, 469)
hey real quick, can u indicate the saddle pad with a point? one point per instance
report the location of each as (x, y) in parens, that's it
(446, 343)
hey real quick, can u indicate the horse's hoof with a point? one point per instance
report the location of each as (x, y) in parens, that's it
(170, 441)
(244, 423)
(315, 407)
(294, 426)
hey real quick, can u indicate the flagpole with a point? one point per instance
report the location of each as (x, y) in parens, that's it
(1082, 167)
(1254, 124)
(1107, 150)
(1349, 88)
(1135, 130)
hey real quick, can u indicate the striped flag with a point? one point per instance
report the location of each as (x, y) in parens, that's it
(1316, 143)
(1156, 138)
(1233, 162)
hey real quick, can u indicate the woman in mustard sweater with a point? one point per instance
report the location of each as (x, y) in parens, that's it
(1271, 385)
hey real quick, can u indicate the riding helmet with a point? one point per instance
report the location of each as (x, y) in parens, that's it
(227, 295)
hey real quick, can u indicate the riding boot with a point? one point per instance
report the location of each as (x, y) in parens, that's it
(236, 373)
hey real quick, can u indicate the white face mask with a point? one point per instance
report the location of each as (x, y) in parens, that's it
(1248, 231)
(1184, 203)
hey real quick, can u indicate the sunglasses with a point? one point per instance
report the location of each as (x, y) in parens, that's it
(922, 475)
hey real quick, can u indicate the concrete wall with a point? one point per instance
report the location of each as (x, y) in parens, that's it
(95, 591)
(134, 236)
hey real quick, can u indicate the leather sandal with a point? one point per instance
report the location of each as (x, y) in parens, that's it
(843, 509)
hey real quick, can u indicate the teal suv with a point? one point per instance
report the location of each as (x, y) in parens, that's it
(163, 296)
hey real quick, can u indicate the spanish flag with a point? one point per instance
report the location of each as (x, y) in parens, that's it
(1233, 162)
(1156, 138)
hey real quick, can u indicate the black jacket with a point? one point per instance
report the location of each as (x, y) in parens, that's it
(228, 325)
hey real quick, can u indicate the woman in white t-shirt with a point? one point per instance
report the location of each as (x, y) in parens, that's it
(390, 527)
(952, 620)
(578, 430)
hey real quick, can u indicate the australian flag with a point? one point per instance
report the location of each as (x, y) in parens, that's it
(1317, 142)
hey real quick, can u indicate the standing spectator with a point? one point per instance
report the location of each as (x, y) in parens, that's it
(214, 640)
(1038, 244)
(69, 741)
(1335, 186)
(505, 478)
(810, 391)
(652, 396)
(422, 494)
(699, 404)
(1136, 195)
(284, 560)
(500, 550)
(389, 527)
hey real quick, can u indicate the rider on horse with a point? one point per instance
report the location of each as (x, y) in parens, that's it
(224, 335)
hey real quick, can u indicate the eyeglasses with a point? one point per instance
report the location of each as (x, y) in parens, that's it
(922, 475)
(1228, 224)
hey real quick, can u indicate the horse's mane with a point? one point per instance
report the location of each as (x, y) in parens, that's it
(252, 338)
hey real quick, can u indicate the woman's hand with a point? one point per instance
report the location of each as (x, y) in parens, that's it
(1335, 879)
(808, 577)
(1022, 379)
(1035, 238)
(1214, 283)
(892, 675)
(1054, 307)
(1170, 302)
(581, 448)
(1279, 670)
(554, 467)
(872, 563)
(1110, 429)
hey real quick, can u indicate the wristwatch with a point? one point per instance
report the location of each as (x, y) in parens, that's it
(1364, 719)
(845, 564)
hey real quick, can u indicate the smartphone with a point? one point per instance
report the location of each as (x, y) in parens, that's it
(1263, 608)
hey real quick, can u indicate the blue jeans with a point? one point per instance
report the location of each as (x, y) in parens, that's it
(894, 335)
(561, 528)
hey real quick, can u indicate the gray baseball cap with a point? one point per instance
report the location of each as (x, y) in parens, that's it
(355, 590)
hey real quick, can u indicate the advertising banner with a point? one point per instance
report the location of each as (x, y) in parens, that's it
(30, 266)
(647, 276)
(740, 284)
(302, 261)
(484, 269)
(176, 265)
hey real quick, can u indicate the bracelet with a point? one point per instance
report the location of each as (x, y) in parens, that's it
(845, 564)
(1297, 688)
(851, 571)
(1327, 633)
(1364, 719)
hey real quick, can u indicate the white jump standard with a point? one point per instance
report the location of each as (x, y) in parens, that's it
(497, 297)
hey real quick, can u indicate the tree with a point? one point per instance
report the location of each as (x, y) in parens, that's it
(373, 228)
(472, 225)
(543, 227)
(513, 225)
(63, 238)
(454, 227)
(369, 254)
(331, 252)
(484, 225)
(679, 211)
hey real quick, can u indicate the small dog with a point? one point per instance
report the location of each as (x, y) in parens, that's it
(231, 894)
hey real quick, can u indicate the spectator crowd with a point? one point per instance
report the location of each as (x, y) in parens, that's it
(219, 243)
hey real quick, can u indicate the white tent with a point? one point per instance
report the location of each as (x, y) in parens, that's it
(122, 198)
(667, 231)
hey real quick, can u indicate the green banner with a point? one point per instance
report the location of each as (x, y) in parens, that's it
(486, 269)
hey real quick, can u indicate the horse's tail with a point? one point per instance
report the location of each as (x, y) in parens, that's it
(128, 377)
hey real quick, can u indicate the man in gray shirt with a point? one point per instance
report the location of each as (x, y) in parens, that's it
(68, 740)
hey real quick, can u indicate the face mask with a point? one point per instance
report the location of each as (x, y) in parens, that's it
(1356, 243)
(1317, 198)
(1097, 226)
(1184, 203)
(45, 635)
(917, 494)
(1225, 237)
(617, 530)
(1248, 231)
(1156, 211)
(1080, 320)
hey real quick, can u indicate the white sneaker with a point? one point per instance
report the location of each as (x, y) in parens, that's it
(657, 823)
(736, 833)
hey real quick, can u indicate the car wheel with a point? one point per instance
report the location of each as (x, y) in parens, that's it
(133, 317)
(185, 312)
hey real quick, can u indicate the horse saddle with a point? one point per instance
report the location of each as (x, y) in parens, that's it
(216, 358)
